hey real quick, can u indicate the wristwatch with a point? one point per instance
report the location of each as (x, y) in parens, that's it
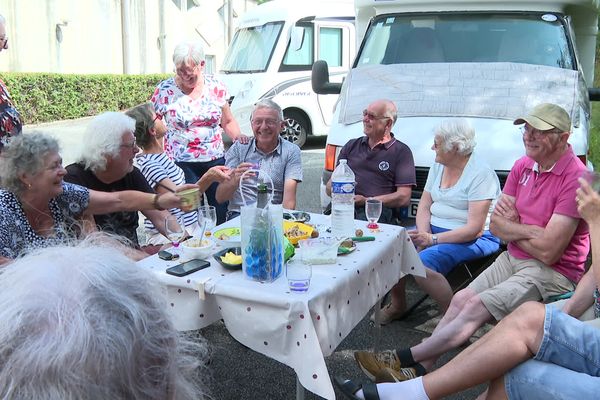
(434, 240)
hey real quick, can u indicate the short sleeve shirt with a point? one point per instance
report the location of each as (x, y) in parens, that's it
(193, 125)
(450, 207)
(122, 223)
(381, 169)
(283, 163)
(16, 234)
(155, 168)
(540, 195)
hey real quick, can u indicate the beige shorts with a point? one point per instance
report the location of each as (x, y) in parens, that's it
(510, 282)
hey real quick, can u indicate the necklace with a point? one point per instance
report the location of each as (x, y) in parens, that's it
(41, 222)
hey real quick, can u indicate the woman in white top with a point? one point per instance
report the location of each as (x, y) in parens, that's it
(453, 215)
(160, 171)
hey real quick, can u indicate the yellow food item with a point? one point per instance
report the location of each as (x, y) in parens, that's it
(231, 258)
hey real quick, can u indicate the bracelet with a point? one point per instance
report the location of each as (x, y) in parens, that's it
(155, 203)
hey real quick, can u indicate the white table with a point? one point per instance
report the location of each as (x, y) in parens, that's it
(299, 330)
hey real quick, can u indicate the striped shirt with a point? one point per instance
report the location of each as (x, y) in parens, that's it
(155, 168)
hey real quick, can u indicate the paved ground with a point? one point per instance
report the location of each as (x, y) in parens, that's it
(240, 373)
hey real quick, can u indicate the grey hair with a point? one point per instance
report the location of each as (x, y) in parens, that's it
(85, 322)
(102, 139)
(24, 154)
(2, 19)
(391, 111)
(457, 134)
(268, 103)
(188, 52)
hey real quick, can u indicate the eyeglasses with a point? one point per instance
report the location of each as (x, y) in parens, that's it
(130, 146)
(5, 41)
(371, 116)
(537, 133)
(186, 71)
(269, 122)
(157, 116)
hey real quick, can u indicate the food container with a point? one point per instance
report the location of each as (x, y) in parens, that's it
(228, 237)
(196, 248)
(190, 199)
(296, 231)
(319, 250)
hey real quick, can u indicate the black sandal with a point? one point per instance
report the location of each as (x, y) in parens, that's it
(350, 388)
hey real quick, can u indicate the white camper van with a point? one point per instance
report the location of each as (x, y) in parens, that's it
(271, 56)
(487, 61)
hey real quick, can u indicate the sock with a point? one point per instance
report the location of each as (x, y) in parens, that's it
(412, 389)
(406, 358)
(419, 368)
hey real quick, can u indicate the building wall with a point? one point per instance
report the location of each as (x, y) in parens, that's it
(87, 36)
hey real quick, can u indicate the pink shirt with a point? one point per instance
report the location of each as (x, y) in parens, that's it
(539, 195)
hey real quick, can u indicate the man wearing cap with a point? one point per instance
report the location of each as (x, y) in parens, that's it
(548, 243)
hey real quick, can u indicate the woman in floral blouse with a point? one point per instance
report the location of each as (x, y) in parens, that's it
(195, 109)
(10, 120)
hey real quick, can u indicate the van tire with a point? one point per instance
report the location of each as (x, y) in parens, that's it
(296, 128)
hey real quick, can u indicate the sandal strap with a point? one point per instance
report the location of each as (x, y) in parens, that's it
(370, 391)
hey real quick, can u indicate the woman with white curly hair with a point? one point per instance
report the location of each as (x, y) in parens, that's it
(84, 322)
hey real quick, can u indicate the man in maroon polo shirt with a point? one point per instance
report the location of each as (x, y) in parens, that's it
(383, 165)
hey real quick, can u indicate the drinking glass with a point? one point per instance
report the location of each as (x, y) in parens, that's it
(174, 231)
(373, 212)
(208, 214)
(298, 274)
(593, 178)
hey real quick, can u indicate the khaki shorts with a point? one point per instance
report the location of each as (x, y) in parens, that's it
(510, 282)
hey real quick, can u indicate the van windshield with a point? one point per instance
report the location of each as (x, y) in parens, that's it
(251, 48)
(538, 39)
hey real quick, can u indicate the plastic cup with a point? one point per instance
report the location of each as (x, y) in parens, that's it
(190, 199)
(593, 178)
(298, 274)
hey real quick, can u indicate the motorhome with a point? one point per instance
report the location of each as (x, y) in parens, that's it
(271, 56)
(486, 61)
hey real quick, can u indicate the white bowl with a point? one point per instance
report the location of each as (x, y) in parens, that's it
(194, 249)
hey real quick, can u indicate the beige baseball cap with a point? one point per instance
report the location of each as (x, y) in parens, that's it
(547, 116)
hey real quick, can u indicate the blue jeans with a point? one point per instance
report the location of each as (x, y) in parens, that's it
(194, 171)
(567, 365)
(444, 257)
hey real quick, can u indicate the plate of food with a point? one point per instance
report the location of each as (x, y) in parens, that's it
(346, 247)
(296, 216)
(228, 237)
(296, 231)
(230, 258)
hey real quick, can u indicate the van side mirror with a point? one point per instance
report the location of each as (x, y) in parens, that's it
(594, 94)
(320, 79)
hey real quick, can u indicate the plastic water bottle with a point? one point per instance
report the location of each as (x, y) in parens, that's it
(342, 200)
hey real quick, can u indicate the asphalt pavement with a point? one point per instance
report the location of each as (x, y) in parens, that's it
(236, 372)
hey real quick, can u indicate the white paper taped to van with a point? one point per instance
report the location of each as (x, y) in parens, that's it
(492, 90)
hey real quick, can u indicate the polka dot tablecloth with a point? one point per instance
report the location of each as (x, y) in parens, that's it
(299, 330)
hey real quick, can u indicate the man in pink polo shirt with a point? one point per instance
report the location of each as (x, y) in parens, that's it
(548, 243)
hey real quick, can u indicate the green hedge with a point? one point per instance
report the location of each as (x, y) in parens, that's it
(44, 97)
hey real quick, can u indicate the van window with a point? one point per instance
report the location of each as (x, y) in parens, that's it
(302, 58)
(538, 39)
(252, 48)
(330, 46)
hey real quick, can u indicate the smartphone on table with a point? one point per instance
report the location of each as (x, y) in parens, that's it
(165, 255)
(188, 267)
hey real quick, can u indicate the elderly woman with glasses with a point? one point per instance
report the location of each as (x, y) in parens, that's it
(196, 112)
(453, 215)
(38, 209)
(160, 171)
(10, 120)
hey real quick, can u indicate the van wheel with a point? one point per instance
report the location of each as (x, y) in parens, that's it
(295, 128)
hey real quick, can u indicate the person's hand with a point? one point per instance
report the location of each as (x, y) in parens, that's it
(218, 173)
(588, 202)
(420, 239)
(240, 169)
(243, 139)
(359, 199)
(505, 207)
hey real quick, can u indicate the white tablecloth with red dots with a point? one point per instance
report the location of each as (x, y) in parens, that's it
(299, 330)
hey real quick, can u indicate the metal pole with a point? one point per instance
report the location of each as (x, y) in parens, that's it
(125, 13)
(229, 21)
